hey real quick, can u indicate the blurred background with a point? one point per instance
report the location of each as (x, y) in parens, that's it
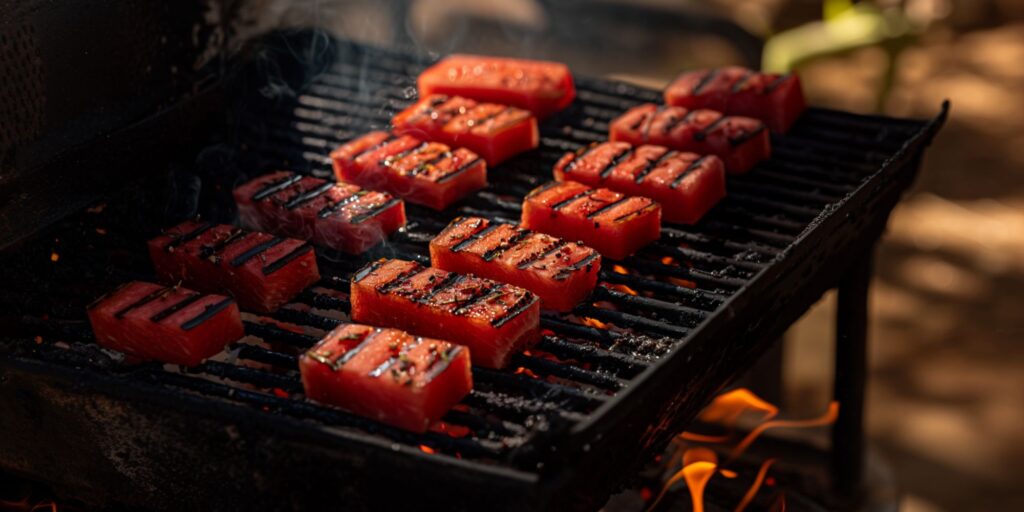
(946, 396)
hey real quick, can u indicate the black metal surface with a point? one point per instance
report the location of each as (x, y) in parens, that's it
(561, 428)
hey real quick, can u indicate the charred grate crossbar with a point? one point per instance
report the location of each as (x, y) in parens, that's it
(643, 308)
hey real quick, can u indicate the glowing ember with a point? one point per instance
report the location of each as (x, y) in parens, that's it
(426, 449)
(526, 371)
(668, 260)
(619, 269)
(593, 322)
(622, 288)
(54, 256)
(682, 282)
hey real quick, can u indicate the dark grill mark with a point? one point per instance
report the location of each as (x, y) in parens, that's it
(461, 246)
(451, 280)
(401, 279)
(676, 121)
(779, 80)
(207, 314)
(191, 235)
(567, 271)
(517, 309)
(174, 308)
(287, 258)
(738, 86)
(438, 366)
(479, 295)
(471, 123)
(543, 188)
(374, 211)
(308, 196)
(640, 122)
(461, 169)
(256, 250)
(236, 235)
(142, 302)
(614, 162)
(348, 354)
(579, 155)
(690, 168)
(513, 241)
(650, 122)
(368, 269)
(378, 371)
(327, 211)
(653, 164)
(704, 81)
(703, 133)
(635, 213)
(539, 255)
(609, 206)
(745, 136)
(390, 138)
(586, 193)
(512, 121)
(276, 187)
(390, 160)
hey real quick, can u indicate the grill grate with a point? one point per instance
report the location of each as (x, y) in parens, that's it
(644, 308)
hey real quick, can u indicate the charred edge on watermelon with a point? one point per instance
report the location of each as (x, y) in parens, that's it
(514, 240)
(390, 160)
(403, 360)
(374, 211)
(650, 121)
(156, 294)
(704, 132)
(738, 85)
(690, 168)
(287, 258)
(482, 292)
(333, 209)
(234, 236)
(581, 154)
(256, 250)
(471, 239)
(207, 314)
(543, 188)
(367, 269)
(276, 187)
(346, 356)
(779, 80)
(449, 281)
(743, 137)
(308, 195)
(636, 213)
(614, 162)
(462, 168)
(187, 237)
(401, 279)
(609, 206)
(653, 164)
(704, 81)
(174, 308)
(567, 202)
(380, 145)
(517, 309)
(539, 255)
(564, 273)
(445, 358)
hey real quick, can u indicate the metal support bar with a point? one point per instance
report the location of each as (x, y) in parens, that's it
(850, 377)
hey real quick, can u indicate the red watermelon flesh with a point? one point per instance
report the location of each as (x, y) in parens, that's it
(427, 173)
(561, 273)
(173, 325)
(777, 100)
(337, 215)
(493, 319)
(261, 271)
(613, 223)
(741, 142)
(686, 184)
(386, 374)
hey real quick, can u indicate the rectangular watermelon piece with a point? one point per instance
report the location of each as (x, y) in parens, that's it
(778, 100)
(495, 132)
(741, 142)
(387, 375)
(561, 273)
(428, 173)
(542, 87)
(341, 216)
(615, 224)
(493, 319)
(261, 271)
(686, 184)
(170, 324)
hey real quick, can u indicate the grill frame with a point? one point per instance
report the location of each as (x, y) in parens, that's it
(574, 476)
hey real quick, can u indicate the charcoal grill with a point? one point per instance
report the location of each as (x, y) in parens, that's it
(562, 428)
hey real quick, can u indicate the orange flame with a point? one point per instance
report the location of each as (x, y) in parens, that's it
(426, 449)
(668, 260)
(593, 322)
(756, 486)
(622, 288)
(699, 466)
(522, 370)
(619, 269)
(825, 419)
(727, 408)
(682, 282)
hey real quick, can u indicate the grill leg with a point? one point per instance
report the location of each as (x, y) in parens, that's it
(850, 377)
